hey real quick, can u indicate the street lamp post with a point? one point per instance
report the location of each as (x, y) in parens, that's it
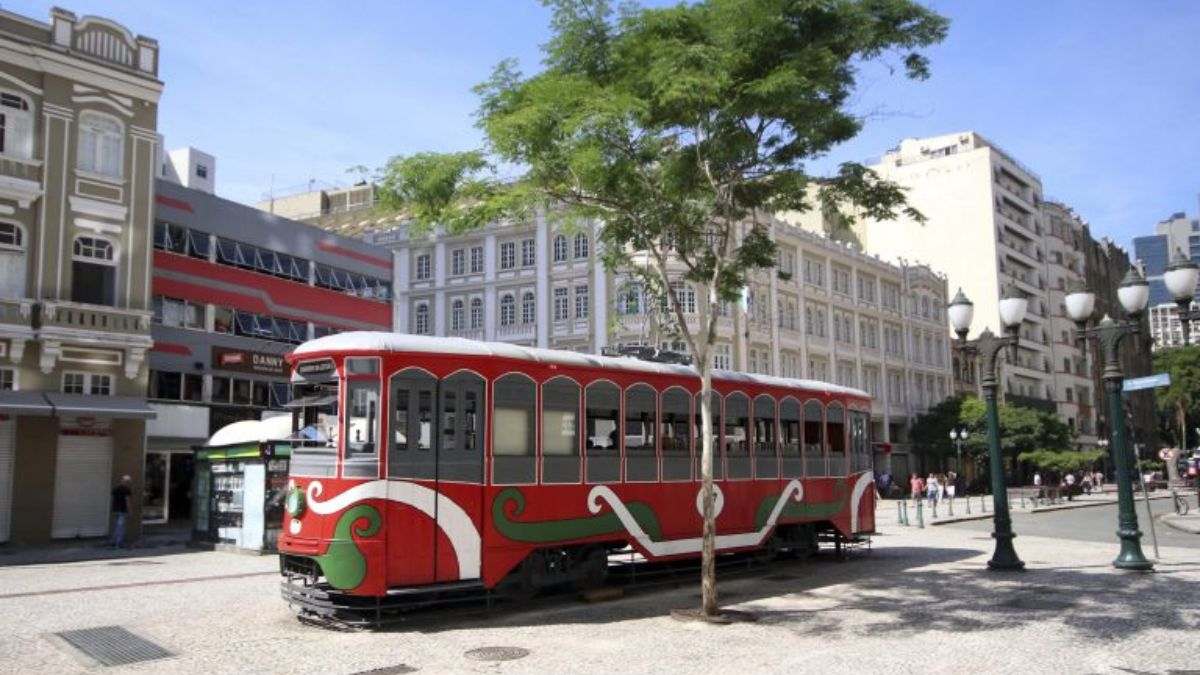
(1180, 278)
(988, 347)
(958, 436)
(1133, 293)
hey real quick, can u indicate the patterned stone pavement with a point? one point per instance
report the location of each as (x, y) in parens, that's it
(919, 602)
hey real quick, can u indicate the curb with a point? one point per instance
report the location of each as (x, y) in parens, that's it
(1044, 509)
(1188, 524)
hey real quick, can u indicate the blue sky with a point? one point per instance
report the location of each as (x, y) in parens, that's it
(1102, 99)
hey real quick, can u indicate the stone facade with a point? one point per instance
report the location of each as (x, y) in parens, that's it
(79, 98)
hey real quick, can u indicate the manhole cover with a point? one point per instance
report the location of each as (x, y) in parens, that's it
(113, 645)
(398, 669)
(497, 653)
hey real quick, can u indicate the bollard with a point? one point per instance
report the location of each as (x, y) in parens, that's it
(968, 505)
(983, 501)
(950, 506)
(899, 513)
(935, 503)
(920, 514)
(906, 521)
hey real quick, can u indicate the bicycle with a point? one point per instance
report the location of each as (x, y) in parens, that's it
(1181, 505)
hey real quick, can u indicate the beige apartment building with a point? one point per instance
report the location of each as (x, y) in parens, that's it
(989, 228)
(827, 312)
(78, 150)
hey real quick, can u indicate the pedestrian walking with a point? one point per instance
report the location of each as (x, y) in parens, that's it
(1069, 481)
(932, 489)
(951, 485)
(1037, 483)
(1086, 483)
(916, 486)
(120, 510)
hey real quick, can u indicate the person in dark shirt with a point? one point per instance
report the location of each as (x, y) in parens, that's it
(120, 509)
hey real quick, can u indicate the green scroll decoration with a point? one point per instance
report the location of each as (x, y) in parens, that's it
(804, 509)
(344, 565)
(547, 531)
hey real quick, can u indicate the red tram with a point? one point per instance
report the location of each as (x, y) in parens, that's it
(444, 463)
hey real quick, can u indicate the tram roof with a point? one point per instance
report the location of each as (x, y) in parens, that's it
(375, 341)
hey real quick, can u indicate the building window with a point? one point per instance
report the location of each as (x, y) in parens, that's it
(582, 303)
(476, 313)
(186, 241)
(685, 296)
(560, 248)
(93, 272)
(178, 313)
(457, 315)
(476, 260)
(814, 272)
(422, 321)
(508, 255)
(562, 304)
(508, 310)
(458, 262)
(841, 280)
(101, 145)
(528, 308)
(630, 300)
(201, 171)
(223, 320)
(723, 357)
(582, 245)
(16, 126)
(424, 268)
(528, 253)
(8, 379)
(12, 261)
(94, 384)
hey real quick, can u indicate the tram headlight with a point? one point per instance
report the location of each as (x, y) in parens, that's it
(295, 502)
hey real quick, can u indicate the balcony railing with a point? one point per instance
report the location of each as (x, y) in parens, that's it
(24, 169)
(95, 318)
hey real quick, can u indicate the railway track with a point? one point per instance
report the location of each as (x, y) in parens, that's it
(628, 574)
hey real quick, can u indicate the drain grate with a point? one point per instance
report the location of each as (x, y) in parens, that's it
(113, 645)
(497, 653)
(398, 669)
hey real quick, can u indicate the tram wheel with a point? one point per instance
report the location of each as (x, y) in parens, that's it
(593, 568)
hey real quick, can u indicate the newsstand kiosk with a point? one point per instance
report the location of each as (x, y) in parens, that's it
(241, 478)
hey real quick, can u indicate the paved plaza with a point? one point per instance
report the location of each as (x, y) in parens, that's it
(919, 602)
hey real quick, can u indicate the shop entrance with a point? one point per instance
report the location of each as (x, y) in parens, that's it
(168, 494)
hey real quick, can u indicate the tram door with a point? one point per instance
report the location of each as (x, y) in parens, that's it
(435, 440)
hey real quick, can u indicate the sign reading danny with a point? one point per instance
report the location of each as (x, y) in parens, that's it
(244, 361)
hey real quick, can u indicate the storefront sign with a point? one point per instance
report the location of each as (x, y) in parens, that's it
(244, 361)
(84, 426)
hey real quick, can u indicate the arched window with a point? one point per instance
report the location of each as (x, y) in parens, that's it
(421, 325)
(528, 308)
(12, 261)
(814, 439)
(560, 431)
(93, 271)
(457, 315)
(641, 412)
(737, 435)
(476, 313)
(675, 431)
(602, 433)
(560, 248)
(766, 463)
(514, 439)
(508, 310)
(101, 145)
(16, 126)
(581, 245)
(790, 463)
(835, 425)
(718, 456)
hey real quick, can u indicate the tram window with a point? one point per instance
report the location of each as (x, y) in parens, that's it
(602, 432)
(513, 433)
(765, 463)
(560, 431)
(362, 425)
(737, 436)
(835, 424)
(675, 430)
(814, 446)
(641, 460)
(412, 430)
(860, 445)
(718, 456)
(790, 465)
(461, 422)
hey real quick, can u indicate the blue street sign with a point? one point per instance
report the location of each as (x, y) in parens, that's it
(1148, 382)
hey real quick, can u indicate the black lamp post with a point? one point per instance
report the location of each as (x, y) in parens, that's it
(958, 436)
(988, 347)
(1133, 293)
(1180, 278)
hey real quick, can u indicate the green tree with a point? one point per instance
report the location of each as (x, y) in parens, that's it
(1062, 461)
(1175, 402)
(680, 130)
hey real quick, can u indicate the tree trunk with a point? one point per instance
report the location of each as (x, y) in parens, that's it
(708, 554)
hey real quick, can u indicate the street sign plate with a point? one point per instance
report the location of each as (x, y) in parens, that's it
(1148, 382)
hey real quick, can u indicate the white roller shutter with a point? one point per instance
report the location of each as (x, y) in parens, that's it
(82, 493)
(8, 429)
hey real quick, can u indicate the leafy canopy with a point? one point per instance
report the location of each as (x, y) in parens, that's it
(1022, 430)
(680, 129)
(1182, 396)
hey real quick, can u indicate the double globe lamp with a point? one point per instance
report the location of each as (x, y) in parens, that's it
(1180, 278)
